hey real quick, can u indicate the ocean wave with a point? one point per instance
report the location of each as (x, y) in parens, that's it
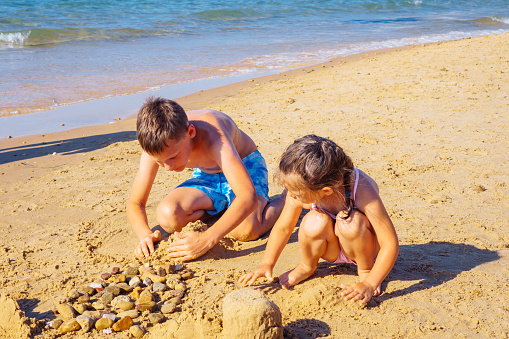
(14, 38)
(227, 15)
(492, 21)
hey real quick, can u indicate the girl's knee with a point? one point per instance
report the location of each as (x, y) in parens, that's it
(314, 225)
(353, 227)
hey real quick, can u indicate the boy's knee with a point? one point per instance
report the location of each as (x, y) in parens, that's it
(314, 223)
(245, 232)
(354, 226)
(170, 217)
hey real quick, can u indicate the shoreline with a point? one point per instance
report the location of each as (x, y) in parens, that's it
(428, 123)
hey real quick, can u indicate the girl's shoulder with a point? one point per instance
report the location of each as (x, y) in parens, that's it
(365, 181)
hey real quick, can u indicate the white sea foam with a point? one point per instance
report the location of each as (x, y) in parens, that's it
(503, 19)
(14, 38)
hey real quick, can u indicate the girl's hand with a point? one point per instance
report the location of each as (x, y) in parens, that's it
(360, 291)
(262, 271)
(146, 245)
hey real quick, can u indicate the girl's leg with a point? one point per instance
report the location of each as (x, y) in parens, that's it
(358, 243)
(181, 206)
(316, 240)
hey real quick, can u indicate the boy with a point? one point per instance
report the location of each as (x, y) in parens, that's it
(229, 172)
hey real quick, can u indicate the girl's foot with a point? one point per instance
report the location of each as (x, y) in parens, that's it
(362, 275)
(295, 276)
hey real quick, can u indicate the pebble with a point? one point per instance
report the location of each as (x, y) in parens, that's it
(105, 276)
(181, 287)
(187, 275)
(87, 290)
(145, 269)
(73, 294)
(176, 300)
(160, 271)
(119, 299)
(96, 286)
(86, 323)
(115, 290)
(159, 287)
(125, 305)
(98, 305)
(147, 281)
(56, 323)
(133, 314)
(137, 331)
(115, 270)
(69, 326)
(123, 324)
(66, 311)
(145, 296)
(124, 287)
(107, 297)
(117, 278)
(148, 306)
(85, 298)
(177, 293)
(103, 323)
(135, 282)
(80, 308)
(154, 277)
(168, 307)
(155, 318)
(131, 271)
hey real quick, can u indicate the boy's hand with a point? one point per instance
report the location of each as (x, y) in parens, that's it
(360, 291)
(262, 271)
(146, 245)
(189, 246)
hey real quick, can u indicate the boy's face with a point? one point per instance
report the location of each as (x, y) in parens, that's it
(176, 155)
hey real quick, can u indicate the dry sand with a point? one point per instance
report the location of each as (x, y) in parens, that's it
(428, 123)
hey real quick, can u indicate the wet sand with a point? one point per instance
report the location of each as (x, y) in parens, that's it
(428, 123)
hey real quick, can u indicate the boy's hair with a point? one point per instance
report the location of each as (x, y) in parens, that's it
(160, 120)
(319, 162)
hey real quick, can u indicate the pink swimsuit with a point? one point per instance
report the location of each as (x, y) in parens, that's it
(342, 258)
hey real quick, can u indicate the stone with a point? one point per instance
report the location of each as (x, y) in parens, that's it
(115, 270)
(123, 324)
(113, 289)
(131, 271)
(103, 324)
(135, 282)
(160, 271)
(70, 325)
(181, 287)
(117, 278)
(153, 277)
(87, 290)
(145, 297)
(66, 311)
(124, 287)
(145, 269)
(80, 308)
(99, 305)
(168, 307)
(73, 294)
(177, 293)
(86, 323)
(107, 297)
(147, 281)
(249, 313)
(187, 275)
(148, 306)
(155, 318)
(159, 287)
(135, 294)
(55, 324)
(133, 314)
(125, 305)
(119, 299)
(105, 276)
(176, 300)
(137, 331)
(85, 298)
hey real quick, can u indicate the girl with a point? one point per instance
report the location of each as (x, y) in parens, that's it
(347, 223)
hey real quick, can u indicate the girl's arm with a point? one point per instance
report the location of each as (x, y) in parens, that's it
(278, 239)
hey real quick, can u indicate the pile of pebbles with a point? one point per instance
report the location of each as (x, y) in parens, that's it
(129, 300)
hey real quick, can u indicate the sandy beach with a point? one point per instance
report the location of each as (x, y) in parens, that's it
(429, 123)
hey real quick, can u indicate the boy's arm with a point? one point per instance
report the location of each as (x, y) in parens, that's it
(278, 239)
(193, 245)
(138, 200)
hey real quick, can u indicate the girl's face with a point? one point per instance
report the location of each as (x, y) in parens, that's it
(296, 190)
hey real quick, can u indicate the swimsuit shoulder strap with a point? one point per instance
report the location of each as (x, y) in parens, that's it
(356, 184)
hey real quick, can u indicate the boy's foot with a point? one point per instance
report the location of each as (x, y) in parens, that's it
(362, 275)
(295, 276)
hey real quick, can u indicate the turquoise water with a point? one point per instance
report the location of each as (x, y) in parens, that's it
(54, 53)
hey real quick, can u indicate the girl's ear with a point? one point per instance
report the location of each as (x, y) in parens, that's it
(327, 190)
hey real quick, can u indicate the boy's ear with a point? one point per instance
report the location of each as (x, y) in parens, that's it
(191, 130)
(327, 190)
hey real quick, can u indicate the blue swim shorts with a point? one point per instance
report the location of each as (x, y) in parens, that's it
(217, 188)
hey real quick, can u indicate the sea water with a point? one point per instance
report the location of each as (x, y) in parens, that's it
(55, 53)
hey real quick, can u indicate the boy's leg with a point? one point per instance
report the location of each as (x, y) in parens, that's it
(181, 206)
(316, 240)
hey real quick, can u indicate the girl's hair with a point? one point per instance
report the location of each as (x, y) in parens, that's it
(319, 162)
